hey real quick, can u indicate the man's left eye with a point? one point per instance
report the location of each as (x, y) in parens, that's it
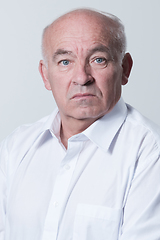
(100, 60)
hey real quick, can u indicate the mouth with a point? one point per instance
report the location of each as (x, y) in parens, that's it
(83, 95)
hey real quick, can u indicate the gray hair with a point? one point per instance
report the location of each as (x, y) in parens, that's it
(115, 30)
(118, 40)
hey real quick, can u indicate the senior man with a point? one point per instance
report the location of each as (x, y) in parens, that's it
(91, 170)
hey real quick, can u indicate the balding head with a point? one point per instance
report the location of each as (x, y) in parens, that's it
(83, 50)
(113, 30)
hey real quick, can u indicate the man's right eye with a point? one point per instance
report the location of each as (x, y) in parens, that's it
(64, 62)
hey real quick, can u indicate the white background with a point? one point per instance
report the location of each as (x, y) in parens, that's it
(23, 98)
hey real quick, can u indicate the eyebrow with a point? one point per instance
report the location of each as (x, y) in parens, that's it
(61, 52)
(99, 48)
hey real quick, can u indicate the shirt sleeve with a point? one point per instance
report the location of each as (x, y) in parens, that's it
(3, 188)
(141, 218)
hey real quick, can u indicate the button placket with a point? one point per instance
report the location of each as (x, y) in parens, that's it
(59, 196)
(67, 167)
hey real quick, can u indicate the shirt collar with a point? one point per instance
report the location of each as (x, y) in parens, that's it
(52, 123)
(101, 132)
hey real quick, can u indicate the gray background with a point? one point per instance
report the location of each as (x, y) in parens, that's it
(23, 98)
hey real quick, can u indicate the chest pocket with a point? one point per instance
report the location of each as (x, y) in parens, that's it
(96, 223)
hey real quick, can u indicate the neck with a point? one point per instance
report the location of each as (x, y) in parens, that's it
(72, 127)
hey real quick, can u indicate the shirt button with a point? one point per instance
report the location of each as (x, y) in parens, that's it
(67, 167)
(55, 204)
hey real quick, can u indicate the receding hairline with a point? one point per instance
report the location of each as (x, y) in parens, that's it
(89, 12)
(117, 33)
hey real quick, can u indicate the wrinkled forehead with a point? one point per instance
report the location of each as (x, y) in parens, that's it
(79, 26)
(87, 27)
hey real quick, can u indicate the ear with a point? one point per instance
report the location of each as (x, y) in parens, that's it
(127, 66)
(44, 74)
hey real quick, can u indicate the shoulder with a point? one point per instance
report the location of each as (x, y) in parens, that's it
(17, 144)
(24, 132)
(135, 118)
(144, 132)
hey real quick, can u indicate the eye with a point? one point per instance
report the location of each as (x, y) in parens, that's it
(64, 62)
(100, 60)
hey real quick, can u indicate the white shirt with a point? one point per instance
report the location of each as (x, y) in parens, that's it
(105, 186)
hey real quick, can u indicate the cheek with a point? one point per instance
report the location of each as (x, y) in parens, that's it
(109, 83)
(59, 87)
(104, 81)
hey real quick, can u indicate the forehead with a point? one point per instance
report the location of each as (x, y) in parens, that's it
(78, 30)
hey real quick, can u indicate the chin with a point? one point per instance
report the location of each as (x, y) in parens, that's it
(88, 114)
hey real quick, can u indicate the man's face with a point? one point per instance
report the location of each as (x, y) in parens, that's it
(84, 78)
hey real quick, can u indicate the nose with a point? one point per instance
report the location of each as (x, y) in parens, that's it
(82, 75)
